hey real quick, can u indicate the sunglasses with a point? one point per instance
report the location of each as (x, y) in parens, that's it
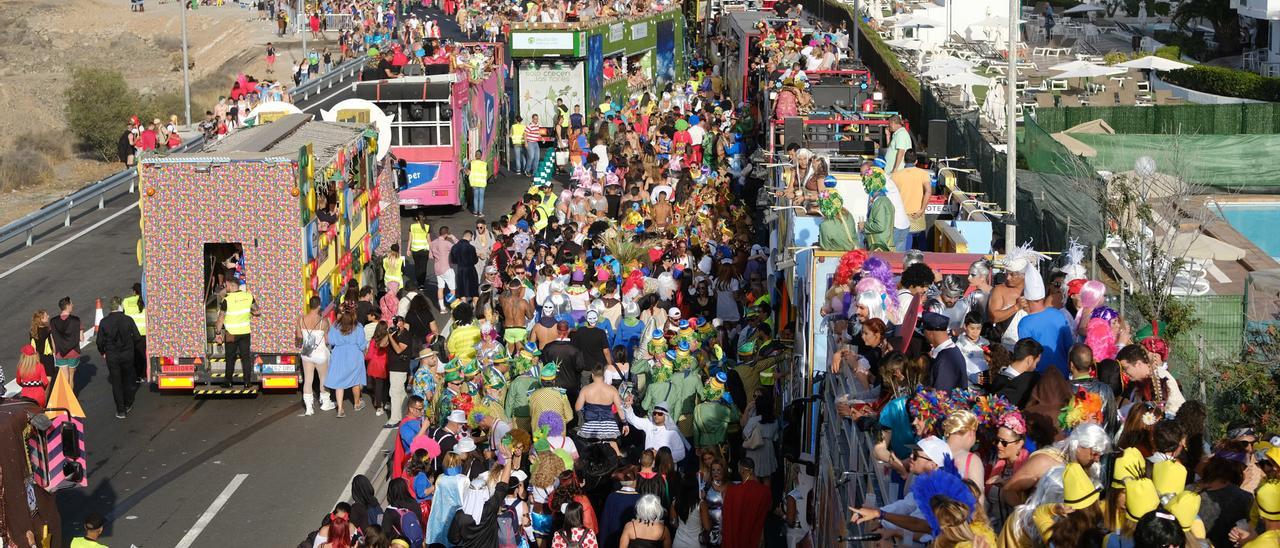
(1003, 442)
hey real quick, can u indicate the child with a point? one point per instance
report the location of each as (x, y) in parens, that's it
(971, 345)
(31, 376)
(376, 365)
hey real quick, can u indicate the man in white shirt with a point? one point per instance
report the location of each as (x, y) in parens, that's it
(901, 222)
(602, 154)
(658, 432)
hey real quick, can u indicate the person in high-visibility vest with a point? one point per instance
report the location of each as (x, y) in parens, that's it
(234, 329)
(136, 309)
(393, 269)
(420, 248)
(517, 147)
(479, 179)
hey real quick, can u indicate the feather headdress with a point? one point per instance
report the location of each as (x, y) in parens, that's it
(1019, 258)
(1074, 267)
(1084, 406)
(940, 483)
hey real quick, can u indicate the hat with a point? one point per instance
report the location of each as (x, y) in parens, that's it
(1185, 506)
(657, 334)
(1033, 288)
(1074, 287)
(452, 376)
(471, 369)
(548, 372)
(673, 313)
(747, 349)
(671, 354)
(464, 446)
(934, 448)
(1267, 497)
(683, 346)
(519, 475)
(1272, 454)
(1140, 498)
(830, 181)
(1169, 476)
(662, 407)
(459, 416)
(1129, 465)
(933, 321)
(427, 352)
(1078, 491)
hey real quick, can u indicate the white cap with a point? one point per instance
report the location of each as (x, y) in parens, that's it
(519, 475)
(457, 415)
(934, 448)
(466, 445)
(673, 313)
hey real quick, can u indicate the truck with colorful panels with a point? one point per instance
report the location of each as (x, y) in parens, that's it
(288, 210)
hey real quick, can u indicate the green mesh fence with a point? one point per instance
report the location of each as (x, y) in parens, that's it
(1228, 162)
(1249, 118)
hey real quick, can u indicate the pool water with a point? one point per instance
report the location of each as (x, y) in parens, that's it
(1258, 223)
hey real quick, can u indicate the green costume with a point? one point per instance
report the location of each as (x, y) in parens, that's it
(839, 230)
(878, 229)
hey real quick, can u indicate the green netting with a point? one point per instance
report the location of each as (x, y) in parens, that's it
(1220, 161)
(1044, 154)
(1250, 118)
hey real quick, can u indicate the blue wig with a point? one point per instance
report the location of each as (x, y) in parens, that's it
(941, 483)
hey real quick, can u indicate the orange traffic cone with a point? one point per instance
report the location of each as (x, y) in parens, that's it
(62, 394)
(97, 313)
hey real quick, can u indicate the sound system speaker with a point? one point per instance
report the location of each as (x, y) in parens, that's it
(793, 131)
(937, 139)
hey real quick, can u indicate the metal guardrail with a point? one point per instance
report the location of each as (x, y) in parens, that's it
(848, 474)
(64, 209)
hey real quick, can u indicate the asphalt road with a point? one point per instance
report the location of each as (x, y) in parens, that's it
(242, 472)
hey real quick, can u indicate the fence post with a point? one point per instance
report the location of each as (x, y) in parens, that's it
(1200, 367)
(67, 220)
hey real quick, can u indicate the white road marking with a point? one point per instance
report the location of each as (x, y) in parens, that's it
(213, 510)
(374, 452)
(42, 254)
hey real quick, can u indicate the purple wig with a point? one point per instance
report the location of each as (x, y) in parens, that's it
(553, 421)
(879, 269)
(1105, 313)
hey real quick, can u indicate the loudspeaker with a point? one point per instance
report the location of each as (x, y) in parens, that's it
(937, 139)
(793, 131)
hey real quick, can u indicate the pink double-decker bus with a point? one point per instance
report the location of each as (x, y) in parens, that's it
(438, 123)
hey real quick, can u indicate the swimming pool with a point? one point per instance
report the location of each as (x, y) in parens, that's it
(1257, 222)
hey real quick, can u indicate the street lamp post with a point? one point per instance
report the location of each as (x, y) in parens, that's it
(186, 76)
(1011, 135)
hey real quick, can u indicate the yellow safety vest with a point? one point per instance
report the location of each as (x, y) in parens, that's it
(479, 174)
(132, 310)
(419, 237)
(392, 270)
(239, 312)
(517, 134)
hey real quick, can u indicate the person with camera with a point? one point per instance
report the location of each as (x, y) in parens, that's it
(399, 353)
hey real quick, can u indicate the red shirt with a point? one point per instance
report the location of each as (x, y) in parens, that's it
(146, 140)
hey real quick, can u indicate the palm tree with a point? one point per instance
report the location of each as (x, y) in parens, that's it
(1220, 14)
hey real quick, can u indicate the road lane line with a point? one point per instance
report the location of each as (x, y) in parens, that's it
(207, 516)
(374, 452)
(68, 240)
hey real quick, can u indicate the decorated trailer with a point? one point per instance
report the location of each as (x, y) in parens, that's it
(286, 211)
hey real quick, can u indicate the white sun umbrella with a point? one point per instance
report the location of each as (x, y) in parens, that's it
(1090, 70)
(994, 107)
(944, 60)
(1071, 65)
(910, 44)
(1083, 8)
(964, 79)
(943, 71)
(1151, 62)
(915, 20)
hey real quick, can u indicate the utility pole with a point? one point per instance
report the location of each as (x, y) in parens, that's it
(1011, 133)
(857, 29)
(186, 65)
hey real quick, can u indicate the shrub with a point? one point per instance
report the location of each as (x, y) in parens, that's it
(1115, 57)
(1173, 53)
(98, 105)
(53, 144)
(24, 167)
(1226, 82)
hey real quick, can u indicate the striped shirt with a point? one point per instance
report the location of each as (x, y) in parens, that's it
(532, 133)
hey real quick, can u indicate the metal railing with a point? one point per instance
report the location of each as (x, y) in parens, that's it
(64, 210)
(848, 474)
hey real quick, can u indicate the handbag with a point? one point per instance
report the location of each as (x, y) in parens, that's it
(562, 157)
(755, 440)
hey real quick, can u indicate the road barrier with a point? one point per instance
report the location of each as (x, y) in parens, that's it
(95, 196)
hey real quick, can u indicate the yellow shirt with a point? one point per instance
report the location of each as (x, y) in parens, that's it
(517, 134)
(462, 342)
(1269, 539)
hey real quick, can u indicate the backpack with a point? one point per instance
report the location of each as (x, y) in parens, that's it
(510, 534)
(568, 540)
(409, 527)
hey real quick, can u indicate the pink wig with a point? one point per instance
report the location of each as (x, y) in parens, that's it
(1100, 339)
(877, 268)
